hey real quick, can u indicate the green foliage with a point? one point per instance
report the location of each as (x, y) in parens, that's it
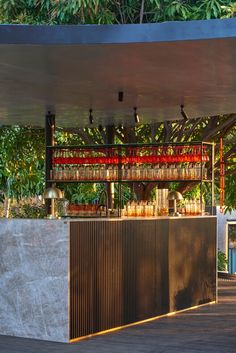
(82, 193)
(177, 10)
(111, 11)
(28, 211)
(21, 161)
(229, 11)
(230, 195)
(222, 261)
(22, 149)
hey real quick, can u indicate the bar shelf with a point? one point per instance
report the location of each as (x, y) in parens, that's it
(131, 163)
(126, 181)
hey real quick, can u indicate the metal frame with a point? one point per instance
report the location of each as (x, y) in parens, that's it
(49, 139)
(117, 34)
(49, 149)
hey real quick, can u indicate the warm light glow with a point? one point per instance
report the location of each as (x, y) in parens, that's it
(139, 322)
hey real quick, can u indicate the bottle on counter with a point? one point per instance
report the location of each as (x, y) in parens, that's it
(133, 209)
(138, 209)
(187, 207)
(198, 207)
(128, 209)
(193, 207)
(203, 207)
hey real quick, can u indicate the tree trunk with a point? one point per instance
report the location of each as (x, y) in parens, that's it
(141, 12)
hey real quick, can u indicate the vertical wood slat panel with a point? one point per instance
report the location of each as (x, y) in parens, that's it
(119, 272)
(110, 284)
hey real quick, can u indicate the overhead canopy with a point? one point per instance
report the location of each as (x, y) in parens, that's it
(71, 69)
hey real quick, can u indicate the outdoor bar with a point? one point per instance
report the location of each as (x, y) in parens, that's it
(105, 267)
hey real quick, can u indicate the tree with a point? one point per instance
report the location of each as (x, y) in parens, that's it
(201, 129)
(111, 11)
(21, 161)
(108, 12)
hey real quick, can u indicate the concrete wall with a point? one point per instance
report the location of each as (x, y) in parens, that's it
(34, 279)
(221, 225)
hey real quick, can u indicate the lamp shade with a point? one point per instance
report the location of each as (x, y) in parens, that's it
(175, 195)
(52, 193)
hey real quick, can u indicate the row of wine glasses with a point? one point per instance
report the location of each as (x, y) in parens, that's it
(191, 171)
(132, 155)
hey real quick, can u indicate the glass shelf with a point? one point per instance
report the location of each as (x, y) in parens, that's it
(129, 181)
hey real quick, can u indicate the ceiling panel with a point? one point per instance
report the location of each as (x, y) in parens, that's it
(69, 77)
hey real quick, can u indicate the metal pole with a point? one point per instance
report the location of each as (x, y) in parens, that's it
(212, 178)
(201, 185)
(110, 186)
(119, 182)
(49, 141)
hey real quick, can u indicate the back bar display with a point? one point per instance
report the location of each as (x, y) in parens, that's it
(131, 163)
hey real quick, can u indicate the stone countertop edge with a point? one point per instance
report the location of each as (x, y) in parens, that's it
(66, 220)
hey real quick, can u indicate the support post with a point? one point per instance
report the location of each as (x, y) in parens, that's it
(201, 185)
(213, 178)
(110, 186)
(49, 141)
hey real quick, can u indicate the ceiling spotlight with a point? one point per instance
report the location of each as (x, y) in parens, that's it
(120, 96)
(184, 115)
(100, 128)
(136, 117)
(90, 116)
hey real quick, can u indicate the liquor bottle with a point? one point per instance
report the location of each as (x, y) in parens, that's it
(60, 174)
(103, 173)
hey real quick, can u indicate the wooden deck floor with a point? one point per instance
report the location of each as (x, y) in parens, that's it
(207, 329)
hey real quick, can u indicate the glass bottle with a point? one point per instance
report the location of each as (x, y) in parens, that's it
(138, 210)
(128, 207)
(198, 207)
(163, 172)
(133, 209)
(187, 208)
(203, 207)
(81, 172)
(155, 171)
(144, 172)
(55, 173)
(61, 174)
(149, 172)
(102, 173)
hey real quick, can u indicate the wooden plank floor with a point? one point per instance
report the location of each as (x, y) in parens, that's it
(207, 329)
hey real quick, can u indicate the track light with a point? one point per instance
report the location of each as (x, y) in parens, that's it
(184, 115)
(90, 116)
(100, 128)
(120, 96)
(136, 117)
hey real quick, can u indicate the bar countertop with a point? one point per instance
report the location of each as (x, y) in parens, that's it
(81, 219)
(68, 278)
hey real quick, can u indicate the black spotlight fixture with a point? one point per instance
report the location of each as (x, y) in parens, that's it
(90, 116)
(120, 96)
(183, 113)
(100, 127)
(136, 117)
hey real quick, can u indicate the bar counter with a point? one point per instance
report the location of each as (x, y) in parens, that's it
(65, 279)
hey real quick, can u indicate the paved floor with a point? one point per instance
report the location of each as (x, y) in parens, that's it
(207, 329)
